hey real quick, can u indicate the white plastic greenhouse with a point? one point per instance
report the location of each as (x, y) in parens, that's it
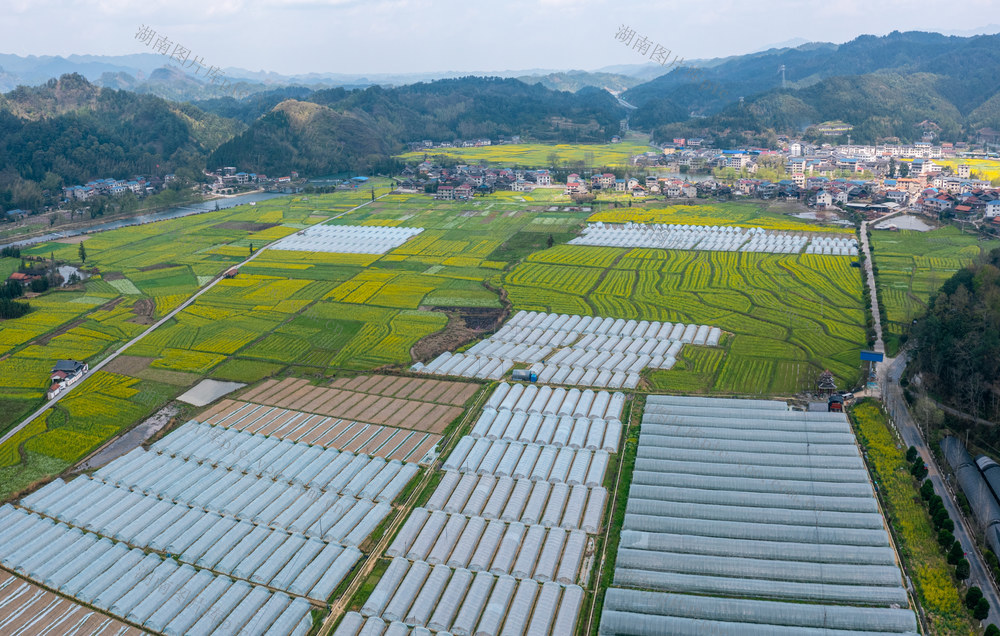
(261, 529)
(460, 601)
(744, 499)
(348, 239)
(159, 594)
(574, 350)
(720, 238)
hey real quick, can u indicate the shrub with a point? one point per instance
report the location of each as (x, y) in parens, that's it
(945, 538)
(972, 596)
(911, 454)
(919, 470)
(992, 630)
(982, 609)
(956, 553)
(940, 517)
(927, 490)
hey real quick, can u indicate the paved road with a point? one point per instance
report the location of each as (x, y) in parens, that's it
(145, 333)
(870, 274)
(896, 405)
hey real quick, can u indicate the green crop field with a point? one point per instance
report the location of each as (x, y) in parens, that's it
(316, 314)
(912, 266)
(540, 155)
(791, 316)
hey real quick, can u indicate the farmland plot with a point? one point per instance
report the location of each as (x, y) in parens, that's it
(806, 306)
(912, 266)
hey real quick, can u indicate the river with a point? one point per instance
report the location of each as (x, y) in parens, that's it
(161, 215)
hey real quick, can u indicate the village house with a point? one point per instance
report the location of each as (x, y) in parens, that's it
(65, 374)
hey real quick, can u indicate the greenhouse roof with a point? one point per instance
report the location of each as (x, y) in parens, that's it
(744, 517)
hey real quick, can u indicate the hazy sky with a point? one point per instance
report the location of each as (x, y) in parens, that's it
(402, 36)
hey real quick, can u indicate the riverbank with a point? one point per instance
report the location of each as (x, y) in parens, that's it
(139, 217)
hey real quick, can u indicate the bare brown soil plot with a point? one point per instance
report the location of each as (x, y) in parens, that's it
(260, 419)
(323, 396)
(360, 406)
(334, 433)
(288, 398)
(398, 385)
(418, 418)
(439, 417)
(128, 365)
(465, 324)
(407, 447)
(377, 441)
(318, 433)
(429, 387)
(423, 448)
(28, 609)
(390, 406)
(253, 392)
(281, 422)
(371, 414)
(354, 383)
(400, 417)
(359, 437)
(384, 383)
(389, 450)
(226, 417)
(209, 413)
(278, 389)
(335, 397)
(296, 427)
(458, 394)
(310, 395)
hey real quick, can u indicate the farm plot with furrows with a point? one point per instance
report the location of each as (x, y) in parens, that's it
(567, 279)
(784, 306)
(912, 266)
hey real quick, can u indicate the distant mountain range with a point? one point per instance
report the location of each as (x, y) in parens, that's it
(899, 85)
(133, 115)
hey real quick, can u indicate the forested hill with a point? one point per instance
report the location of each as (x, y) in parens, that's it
(68, 131)
(883, 86)
(363, 126)
(958, 342)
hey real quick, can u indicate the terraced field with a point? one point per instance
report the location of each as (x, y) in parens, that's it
(790, 316)
(912, 266)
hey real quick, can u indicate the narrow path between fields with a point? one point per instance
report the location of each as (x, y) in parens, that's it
(152, 328)
(870, 275)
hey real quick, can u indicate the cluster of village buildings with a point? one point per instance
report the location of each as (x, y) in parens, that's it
(138, 186)
(870, 179)
(225, 180)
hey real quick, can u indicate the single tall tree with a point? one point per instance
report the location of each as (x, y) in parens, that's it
(82, 251)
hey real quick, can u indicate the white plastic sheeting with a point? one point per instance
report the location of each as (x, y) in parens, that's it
(591, 433)
(574, 350)
(484, 457)
(348, 239)
(263, 511)
(143, 588)
(459, 601)
(719, 238)
(734, 498)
